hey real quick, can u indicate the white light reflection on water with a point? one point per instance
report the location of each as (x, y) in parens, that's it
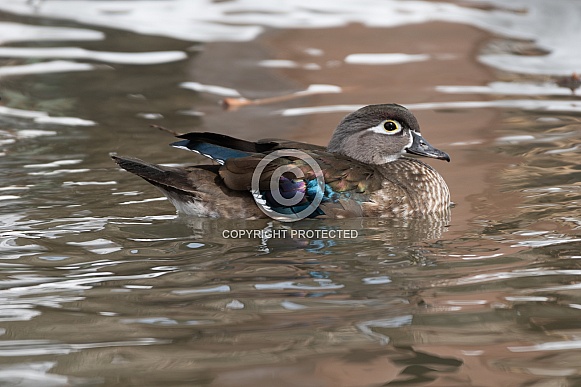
(135, 58)
(41, 117)
(57, 66)
(14, 228)
(324, 285)
(24, 308)
(17, 32)
(56, 163)
(37, 374)
(9, 348)
(190, 20)
(549, 346)
(544, 243)
(523, 104)
(59, 172)
(287, 64)
(377, 280)
(528, 299)
(288, 305)
(9, 197)
(85, 183)
(366, 327)
(215, 289)
(25, 296)
(11, 250)
(159, 199)
(318, 109)
(481, 278)
(472, 257)
(98, 246)
(508, 88)
(384, 59)
(553, 25)
(243, 19)
(212, 89)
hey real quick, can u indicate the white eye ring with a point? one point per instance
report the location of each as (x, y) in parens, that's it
(391, 126)
(385, 127)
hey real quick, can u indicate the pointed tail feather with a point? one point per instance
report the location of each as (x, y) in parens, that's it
(167, 177)
(196, 191)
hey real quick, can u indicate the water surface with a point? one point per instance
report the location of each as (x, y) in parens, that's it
(102, 284)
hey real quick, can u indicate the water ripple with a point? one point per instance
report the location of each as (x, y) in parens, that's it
(42, 117)
(481, 278)
(135, 58)
(549, 346)
(60, 284)
(524, 104)
(9, 348)
(18, 32)
(56, 66)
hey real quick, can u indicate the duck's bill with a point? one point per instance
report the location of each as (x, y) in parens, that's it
(421, 147)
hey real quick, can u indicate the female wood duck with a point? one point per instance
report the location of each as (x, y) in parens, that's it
(362, 172)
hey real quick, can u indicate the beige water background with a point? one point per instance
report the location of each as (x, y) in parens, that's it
(102, 284)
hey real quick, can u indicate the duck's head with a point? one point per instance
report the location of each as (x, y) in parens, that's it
(379, 134)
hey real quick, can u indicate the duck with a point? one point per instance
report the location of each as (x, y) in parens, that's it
(370, 168)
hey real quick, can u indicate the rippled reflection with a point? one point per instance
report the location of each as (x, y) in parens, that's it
(102, 284)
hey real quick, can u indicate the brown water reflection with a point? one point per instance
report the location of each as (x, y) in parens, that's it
(100, 283)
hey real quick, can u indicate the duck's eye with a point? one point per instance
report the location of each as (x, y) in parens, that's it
(391, 126)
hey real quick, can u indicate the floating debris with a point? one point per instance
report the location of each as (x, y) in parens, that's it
(571, 82)
(237, 102)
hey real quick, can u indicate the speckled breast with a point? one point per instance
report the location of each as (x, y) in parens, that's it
(411, 188)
